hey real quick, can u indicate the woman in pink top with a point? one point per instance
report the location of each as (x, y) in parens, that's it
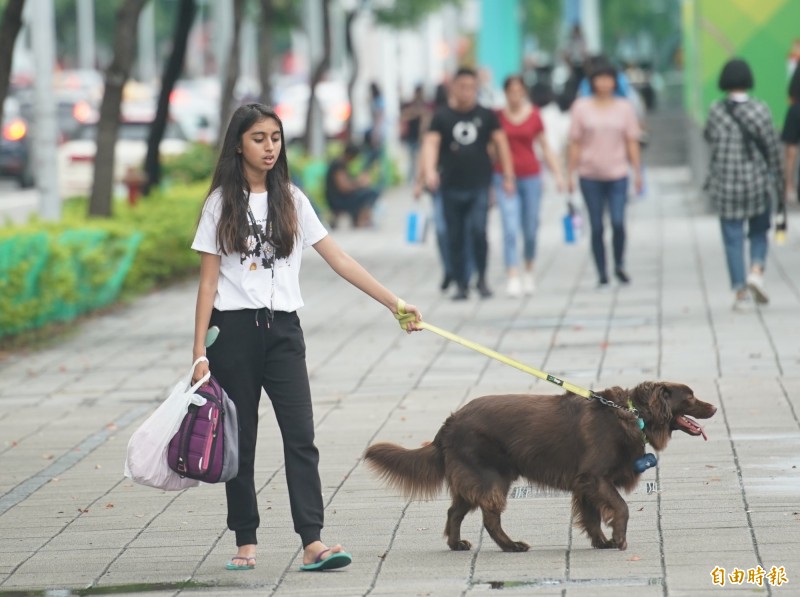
(604, 148)
(523, 126)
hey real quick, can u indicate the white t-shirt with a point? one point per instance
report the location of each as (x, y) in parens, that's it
(246, 279)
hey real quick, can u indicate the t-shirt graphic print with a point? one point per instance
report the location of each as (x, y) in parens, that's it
(256, 254)
(465, 132)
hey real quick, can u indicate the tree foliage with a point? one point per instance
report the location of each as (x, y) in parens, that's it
(408, 13)
(660, 19)
(542, 19)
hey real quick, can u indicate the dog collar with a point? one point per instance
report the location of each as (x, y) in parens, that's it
(639, 420)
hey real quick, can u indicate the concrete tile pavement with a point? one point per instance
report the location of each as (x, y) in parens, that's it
(69, 520)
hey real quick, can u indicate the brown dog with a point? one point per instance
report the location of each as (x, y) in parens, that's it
(564, 442)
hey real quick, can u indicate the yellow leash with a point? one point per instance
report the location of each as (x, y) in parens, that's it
(406, 319)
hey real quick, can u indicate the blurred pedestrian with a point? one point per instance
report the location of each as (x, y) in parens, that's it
(603, 151)
(413, 117)
(347, 193)
(555, 118)
(791, 138)
(252, 231)
(744, 177)
(441, 99)
(575, 50)
(375, 138)
(519, 209)
(455, 154)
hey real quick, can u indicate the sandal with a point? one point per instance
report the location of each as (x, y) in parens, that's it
(248, 566)
(339, 559)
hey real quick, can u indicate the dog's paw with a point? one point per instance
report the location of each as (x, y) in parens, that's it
(462, 545)
(517, 546)
(603, 543)
(622, 544)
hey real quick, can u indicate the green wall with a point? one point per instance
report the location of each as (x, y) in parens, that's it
(760, 31)
(500, 39)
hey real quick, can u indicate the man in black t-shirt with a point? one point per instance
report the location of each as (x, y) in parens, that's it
(455, 156)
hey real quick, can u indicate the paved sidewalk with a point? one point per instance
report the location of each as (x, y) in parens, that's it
(70, 521)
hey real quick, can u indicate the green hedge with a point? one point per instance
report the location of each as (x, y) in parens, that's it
(53, 272)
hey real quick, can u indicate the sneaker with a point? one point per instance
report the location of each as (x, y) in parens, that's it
(528, 284)
(755, 282)
(445, 282)
(483, 289)
(513, 287)
(742, 303)
(461, 294)
(623, 277)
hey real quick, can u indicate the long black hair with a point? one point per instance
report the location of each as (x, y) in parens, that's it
(234, 226)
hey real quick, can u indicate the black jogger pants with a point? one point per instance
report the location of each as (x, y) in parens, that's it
(249, 355)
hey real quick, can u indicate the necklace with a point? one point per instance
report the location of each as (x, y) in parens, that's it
(268, 252)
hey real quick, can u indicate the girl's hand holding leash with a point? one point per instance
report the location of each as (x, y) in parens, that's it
(408, 316)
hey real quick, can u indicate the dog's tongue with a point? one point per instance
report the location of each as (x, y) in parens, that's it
(691, 426)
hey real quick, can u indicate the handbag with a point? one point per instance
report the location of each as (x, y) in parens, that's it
(146, 457)
(206, 445)
(416, 226)
(572, 222)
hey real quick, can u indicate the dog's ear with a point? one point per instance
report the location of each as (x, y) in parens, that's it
(658, 404)
(658, 427)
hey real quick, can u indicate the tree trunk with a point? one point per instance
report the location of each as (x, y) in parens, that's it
(319, 71)
(172, 71)
(231, 72)
(265, 51)
(354, 65)
(108, 125)
(9, 28)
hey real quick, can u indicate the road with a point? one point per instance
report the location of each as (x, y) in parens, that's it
(16, 204)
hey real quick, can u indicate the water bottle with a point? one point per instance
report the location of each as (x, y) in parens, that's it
(569, 224)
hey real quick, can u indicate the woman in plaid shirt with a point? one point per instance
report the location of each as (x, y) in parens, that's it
(744, 178)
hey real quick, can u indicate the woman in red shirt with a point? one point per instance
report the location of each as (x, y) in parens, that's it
(523, 126)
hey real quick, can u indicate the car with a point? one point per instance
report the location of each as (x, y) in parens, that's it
(291, 104)
(194, 104)
(16, 157)
(76, 157)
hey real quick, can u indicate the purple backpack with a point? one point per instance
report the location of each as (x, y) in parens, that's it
(206, 446)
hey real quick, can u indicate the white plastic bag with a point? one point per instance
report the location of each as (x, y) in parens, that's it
(146, 460)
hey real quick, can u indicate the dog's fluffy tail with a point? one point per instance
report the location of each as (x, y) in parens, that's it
(418, 474)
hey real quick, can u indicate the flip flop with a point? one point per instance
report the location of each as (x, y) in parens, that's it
(231, 566)
(340, 559)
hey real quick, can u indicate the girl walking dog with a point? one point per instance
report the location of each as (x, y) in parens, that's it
(251, 234)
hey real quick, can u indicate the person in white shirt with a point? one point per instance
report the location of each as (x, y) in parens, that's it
(251, 234)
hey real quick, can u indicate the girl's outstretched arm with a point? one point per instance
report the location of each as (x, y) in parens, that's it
(352, 271)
